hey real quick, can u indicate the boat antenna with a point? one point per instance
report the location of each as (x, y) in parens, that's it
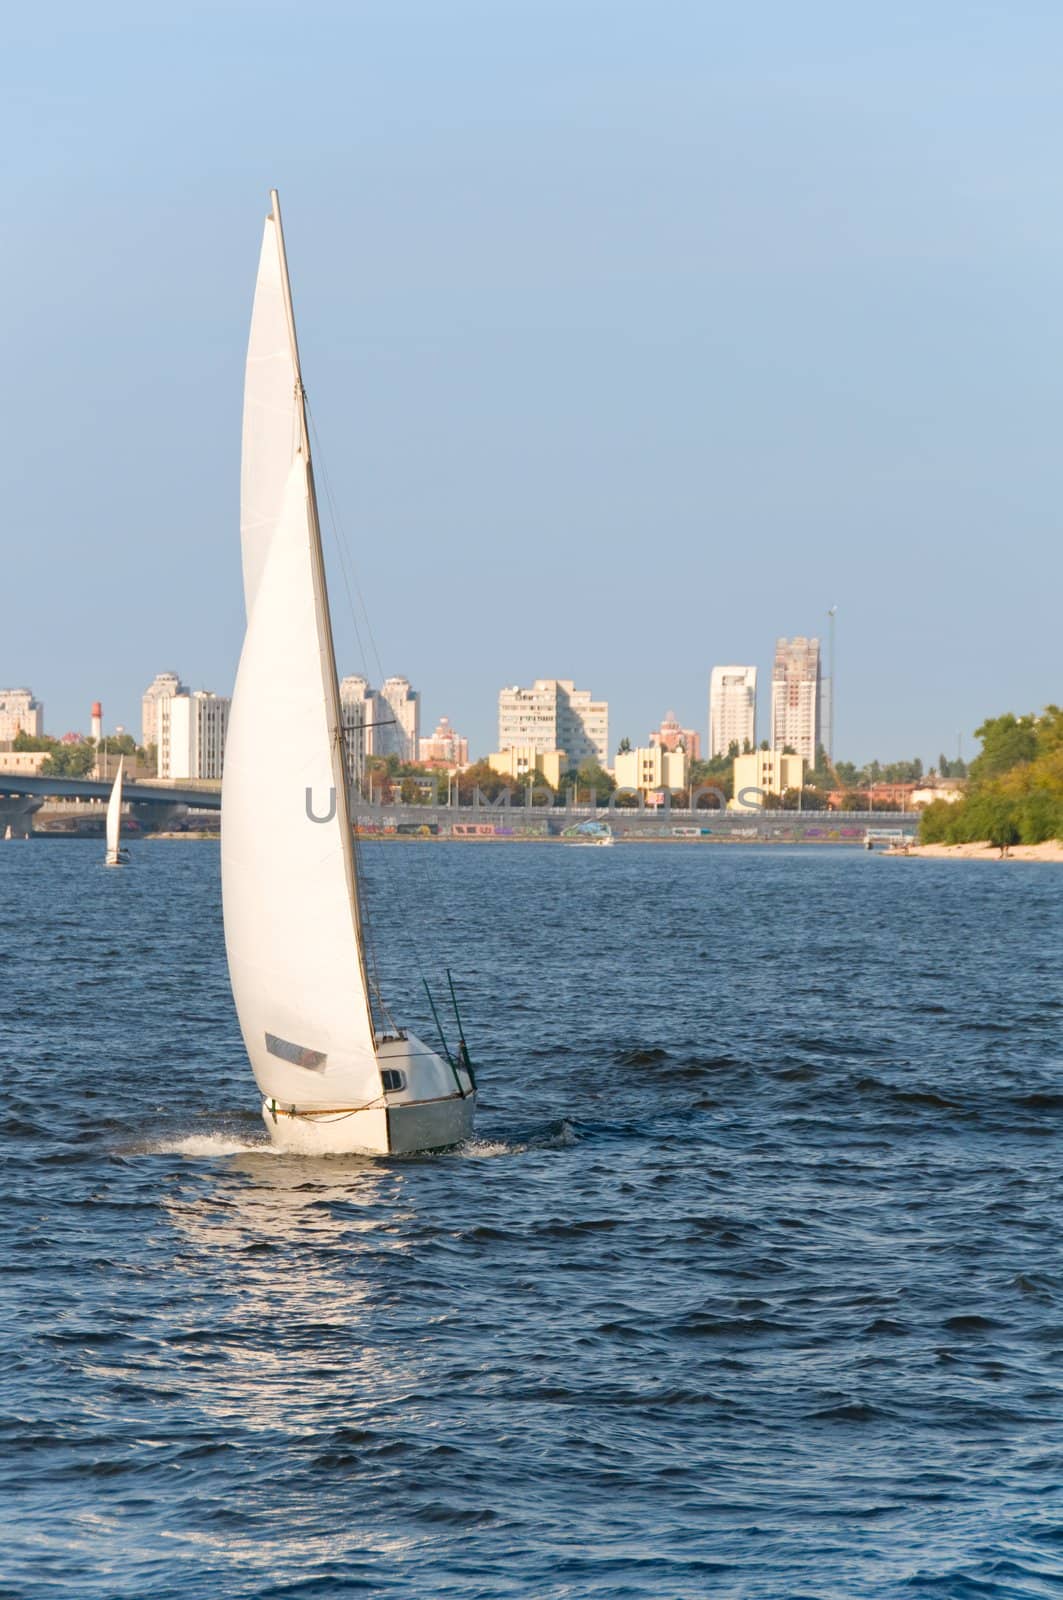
(466, 1060)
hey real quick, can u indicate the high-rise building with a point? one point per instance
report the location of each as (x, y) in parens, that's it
(554, 715)
(190, 732)
(357, 714)
(162, 687)
(732, 709)
(379, 722)
(20, 713)
(399, 727)
(795, 697)
(445, 747)
(670, 736)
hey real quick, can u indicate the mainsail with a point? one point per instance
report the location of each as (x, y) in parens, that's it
(114, 814)
(292, 924)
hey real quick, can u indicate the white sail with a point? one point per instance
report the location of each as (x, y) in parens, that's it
(292, 928)
(114, 815)
(272, 432)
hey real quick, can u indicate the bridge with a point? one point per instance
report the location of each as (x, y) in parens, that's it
(679, 824)
(154, 805)
(157, 806)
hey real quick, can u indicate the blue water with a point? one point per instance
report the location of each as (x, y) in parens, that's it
(751, 1284)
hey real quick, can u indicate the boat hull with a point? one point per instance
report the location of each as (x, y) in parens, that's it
(401, 1128)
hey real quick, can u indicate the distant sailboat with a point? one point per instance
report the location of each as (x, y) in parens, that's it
(116, 856)
(335, 1073)
(8, 832)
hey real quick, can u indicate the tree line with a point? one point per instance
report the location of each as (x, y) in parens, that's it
(76, 758)
(388, 779)
(1015, 793)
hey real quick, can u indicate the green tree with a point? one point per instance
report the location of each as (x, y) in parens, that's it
(998, 821)
(122, 744)
(1007, 741)
(590, 775)
(540, 792)
(32, 741)
(936, 821)
(376, 779)
(1016, 786)
(69, 761)
(1040, 817)
(716, 773)
(1050, 731)
(481, 775)
(805, 799)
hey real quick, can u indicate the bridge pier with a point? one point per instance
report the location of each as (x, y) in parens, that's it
(16, 813)
(152, 817)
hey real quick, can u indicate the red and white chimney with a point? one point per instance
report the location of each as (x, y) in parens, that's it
(97, 721)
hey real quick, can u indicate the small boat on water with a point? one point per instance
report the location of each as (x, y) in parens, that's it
(8, 833)
(337, 1074)
(596, 834)
(116, 856)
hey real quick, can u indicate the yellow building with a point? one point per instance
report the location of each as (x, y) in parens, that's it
(27, 762)
(650, 769)
(764, 772)
(521, 761)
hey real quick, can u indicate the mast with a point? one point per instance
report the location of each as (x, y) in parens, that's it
(330, 677)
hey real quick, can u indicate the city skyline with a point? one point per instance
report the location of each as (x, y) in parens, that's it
(478, 718)
(804, 389)
(394, 714)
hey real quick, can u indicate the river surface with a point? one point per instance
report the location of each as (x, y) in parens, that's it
(751, 1283)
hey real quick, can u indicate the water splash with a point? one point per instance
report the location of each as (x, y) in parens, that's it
(209, 1146)
(555, 1136)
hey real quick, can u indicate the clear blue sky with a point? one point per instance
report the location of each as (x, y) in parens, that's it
(636, 335)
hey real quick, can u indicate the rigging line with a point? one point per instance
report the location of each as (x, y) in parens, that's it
(349, 574)
(341, 543)
(427, 870)
(346, 558)
(363, 654)
(398, 897)
(369, 940)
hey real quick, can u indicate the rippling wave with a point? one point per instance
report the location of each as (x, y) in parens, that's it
(749, 1283)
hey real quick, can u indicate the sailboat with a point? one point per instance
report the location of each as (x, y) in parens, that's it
(116, 856)
(336, 1073)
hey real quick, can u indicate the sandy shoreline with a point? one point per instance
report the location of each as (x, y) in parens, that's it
(1050, 851)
